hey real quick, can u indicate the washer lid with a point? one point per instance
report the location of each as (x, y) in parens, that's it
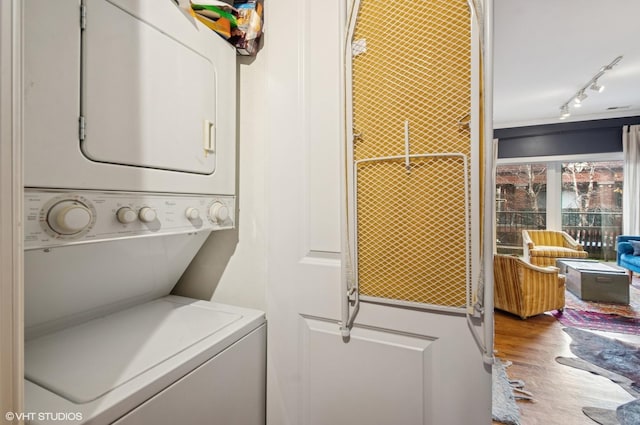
(84, 362)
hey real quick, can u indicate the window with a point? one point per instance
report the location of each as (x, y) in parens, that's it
(580, 195)
(592, 205)
(521, 203)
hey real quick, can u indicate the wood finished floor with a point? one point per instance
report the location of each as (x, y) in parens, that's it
(560, 391)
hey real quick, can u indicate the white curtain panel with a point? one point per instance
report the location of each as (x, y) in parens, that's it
(631, 188)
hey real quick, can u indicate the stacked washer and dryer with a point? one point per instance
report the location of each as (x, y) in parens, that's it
(129, 167)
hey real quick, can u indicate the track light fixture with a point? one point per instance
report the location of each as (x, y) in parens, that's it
(592, 84)
(579, 98)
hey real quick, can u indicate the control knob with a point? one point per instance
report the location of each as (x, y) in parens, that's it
(192, 213)
(218, 212)
(147, 214)
(126, 215)
(69, 217)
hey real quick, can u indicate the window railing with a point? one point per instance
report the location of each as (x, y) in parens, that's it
(596, 231)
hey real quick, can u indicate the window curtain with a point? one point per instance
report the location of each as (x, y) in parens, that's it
(631, 185)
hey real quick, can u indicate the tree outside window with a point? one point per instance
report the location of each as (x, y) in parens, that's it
(592, 205)
(520, 203)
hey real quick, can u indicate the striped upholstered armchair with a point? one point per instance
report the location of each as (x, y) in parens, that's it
(544, 247)
(524, 289)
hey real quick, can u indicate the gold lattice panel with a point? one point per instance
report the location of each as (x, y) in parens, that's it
(412, 62)
(406, 251)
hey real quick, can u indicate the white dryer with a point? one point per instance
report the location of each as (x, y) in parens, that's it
(131, 95)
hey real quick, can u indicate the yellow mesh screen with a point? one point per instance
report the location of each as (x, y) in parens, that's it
(413, 62)
(405, 250)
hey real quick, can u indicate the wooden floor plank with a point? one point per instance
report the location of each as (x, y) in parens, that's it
(560, 391)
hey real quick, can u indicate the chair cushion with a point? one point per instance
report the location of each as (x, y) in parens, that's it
(557, 252)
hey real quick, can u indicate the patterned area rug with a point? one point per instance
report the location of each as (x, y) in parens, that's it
(598, 321)
(631, 310)
(603, 316)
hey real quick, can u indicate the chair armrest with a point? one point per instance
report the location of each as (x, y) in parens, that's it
(540, 269)
(526, 239)
(569, 242)
(543, 280)
(625, 248)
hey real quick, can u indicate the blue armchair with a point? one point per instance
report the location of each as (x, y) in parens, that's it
(625, 255)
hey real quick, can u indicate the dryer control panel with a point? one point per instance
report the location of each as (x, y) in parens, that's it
(57, 217)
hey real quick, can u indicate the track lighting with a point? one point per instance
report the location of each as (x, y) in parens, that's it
(579, 98)
(612, 64)
(592, 84)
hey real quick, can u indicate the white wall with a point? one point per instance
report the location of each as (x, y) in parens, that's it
(232, 265)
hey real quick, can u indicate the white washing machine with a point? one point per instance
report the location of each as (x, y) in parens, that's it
(105, 342)
(129, 167)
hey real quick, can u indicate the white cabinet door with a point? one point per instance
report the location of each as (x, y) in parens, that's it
(400, 365)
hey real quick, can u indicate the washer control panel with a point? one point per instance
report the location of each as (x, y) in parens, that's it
(55, 217)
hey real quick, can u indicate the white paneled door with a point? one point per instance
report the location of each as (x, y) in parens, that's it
(402, 366)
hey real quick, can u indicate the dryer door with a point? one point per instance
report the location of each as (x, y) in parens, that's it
(148, 91)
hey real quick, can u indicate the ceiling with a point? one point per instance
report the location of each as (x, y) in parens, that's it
(546, 50)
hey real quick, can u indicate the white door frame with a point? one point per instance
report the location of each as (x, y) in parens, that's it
(11, 254)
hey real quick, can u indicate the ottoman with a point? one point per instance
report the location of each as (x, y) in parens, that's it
(590, 280)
